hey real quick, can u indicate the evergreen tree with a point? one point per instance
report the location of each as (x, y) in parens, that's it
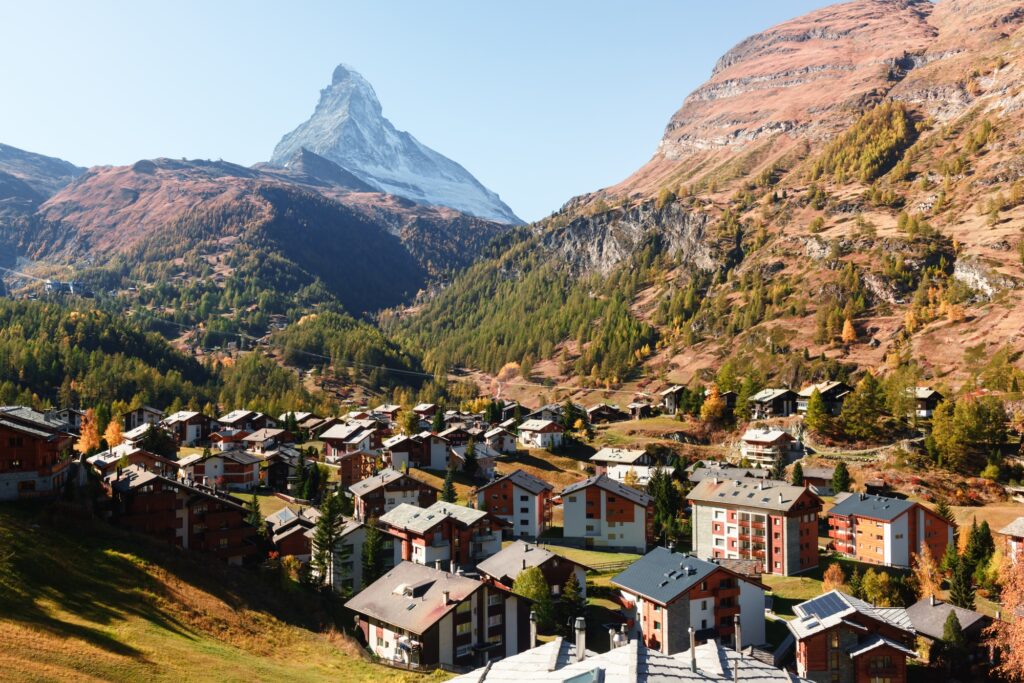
(954, 643)
(949, 558)
(157, 440)
(312, 488)
(448, 494)
(325, 537)
(798, 475)
(856, 584)
(778, 471)
(817, 418)
(571, 604)
(961, 587)
(980, 545)
(255, 516)
(532, 585)
(299, 487)
(469, 463)
(668, 503)
(437, 423)
(373, 549)
(862, 409)
(841, 478)
(943, 511)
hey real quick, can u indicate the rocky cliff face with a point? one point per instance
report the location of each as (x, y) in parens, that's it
(348, 127)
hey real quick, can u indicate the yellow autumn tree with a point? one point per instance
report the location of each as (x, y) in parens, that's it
(833, 578)
(712, 410)
(113, 435)
(89, 437)
(849, 332)
(927, 576)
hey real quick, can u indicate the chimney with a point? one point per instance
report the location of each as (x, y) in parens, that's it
(693, 650)
(716, 480)
(931, 600)
(533, 629)
(444, 598)
(737, 634)
(780, 497)
(581, 638)
(524, 563)
(437, 565)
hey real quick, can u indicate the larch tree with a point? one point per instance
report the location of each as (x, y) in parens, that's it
(712, 411)
(114, 434)
(833, 578)
(1007, 637)
(927, 577)
(849, 335)
(89, 436)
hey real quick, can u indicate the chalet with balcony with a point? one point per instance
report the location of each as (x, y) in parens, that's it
(420, 616)
(521, 499)
(608, 514)
(34, 453)
(769, 403)
(765, 520)
(125, 454)
(671, 398)
(886, 531)
(138, 417)
(289, 531)
(926, 400)
(234, 470)
(264, 440)
(386, 490)
(841, 638)
(664, 594)
(541, 434)
(1014, 533)
(762, 446)
(501, 440)
(188, 427)
(832, 394)
(246, 420)
(187, 516)
(603, 413)
(446, 533)
(611, 457)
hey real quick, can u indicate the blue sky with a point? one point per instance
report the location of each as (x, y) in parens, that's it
(541, 100)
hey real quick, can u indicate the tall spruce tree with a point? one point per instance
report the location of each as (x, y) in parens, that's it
(448, 494)
(469, 463)
(778, 471)
(961, 586)
(841, 478)
(325, 537)
(255, 516)
(798, 475)
(817, 418)
(373, 549)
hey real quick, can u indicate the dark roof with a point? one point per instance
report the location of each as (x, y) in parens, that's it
(612, 486)
(662, 575)
(411, 596)
(930, 620)
(382, 478)
(525, 481)
(875, 507)
(517, 556)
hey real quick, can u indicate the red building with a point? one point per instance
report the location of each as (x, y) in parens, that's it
(386, 490)
(237, 470)
(190, 517)
(34, 453)
(841, 638)
(886, 531)
(521, 499)
(444, 533)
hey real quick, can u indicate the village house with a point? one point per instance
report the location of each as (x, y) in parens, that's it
(832, 395)
(639, 410)
(228, 439)
(1014, 533)
(426, 411)
(551, 412)
(608, 514)
(565, 659)
(346, 571)
(188, 427)
(288, 531)
(609, 457)
(388, 411)
(841, 638)
(886, 531)
(521, 499)
(762, 446)
(769, 403)
(486, 460)
(664, 594)
(34, 453)
(444, 534)
(235, 470)
(540, 434)
(602, 413)
(247, 420)
(263, 440)
(637, 475)
(457, 436)
(501, 440)
(928, 617)
(509, 409)
(422, 616)
(926, 400)
(71, 419)
(280, 468)
(765, 520)
(125, 454)
(502, 568)
(187, 516)
(671, 398)
(354, 467)
(138, 417)
(401, 451)
(819, 479)
(386, 490)
(717, 469)
(135, 436)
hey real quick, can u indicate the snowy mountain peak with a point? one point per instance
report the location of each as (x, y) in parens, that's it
(348, 127)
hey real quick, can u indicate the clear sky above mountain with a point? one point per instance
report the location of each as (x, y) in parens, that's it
(540, 100)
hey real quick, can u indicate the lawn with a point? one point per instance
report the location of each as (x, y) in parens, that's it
(997, 515)
(463, 484)
(269, 503)
(80, 600)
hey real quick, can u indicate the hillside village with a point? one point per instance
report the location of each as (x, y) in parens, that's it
(561, 527)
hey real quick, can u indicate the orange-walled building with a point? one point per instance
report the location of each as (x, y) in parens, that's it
(521, 499)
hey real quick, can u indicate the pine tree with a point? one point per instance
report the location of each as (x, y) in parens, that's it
(571, 604)
(943, 511)
(448, 491)
(954, 644)
(841, 478)
(255, 516)
(961, 587)
(373, 548)
(798, 475)
(325, 537)
(469, 463)
(856, 584)
(817, 418)
(437, 424)
(778, 471)
(949, 558)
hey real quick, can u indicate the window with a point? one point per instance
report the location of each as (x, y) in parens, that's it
(494, 599)
(703, 604)
(524, 522)
(223, 543)
(381, 642)
(719, 542)
(657, 608)
(834, 639)
(464, 607)
(657, 625)
(463, 650)
(703, 623)
(703, 585)
(494, 620)
(463, 629)
(524, 511)
(524, 498)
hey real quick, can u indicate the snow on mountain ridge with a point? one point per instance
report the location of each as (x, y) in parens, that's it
(348, 127)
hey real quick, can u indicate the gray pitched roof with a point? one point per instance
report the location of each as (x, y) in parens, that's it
(386, 476)
(421, 520)
(617, 455)
(930, 620)
(828, 610)
(1014, 528)
(873, 641)
(662, 575)
(767, 395)
(612, 486)
(525, 481)
(517, 556)
(875, 507)
(411, 596)
(767, 494)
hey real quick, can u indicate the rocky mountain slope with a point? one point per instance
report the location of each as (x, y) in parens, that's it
(348, 127)
(859, 163)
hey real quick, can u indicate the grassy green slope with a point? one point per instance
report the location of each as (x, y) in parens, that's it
(80, 600)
